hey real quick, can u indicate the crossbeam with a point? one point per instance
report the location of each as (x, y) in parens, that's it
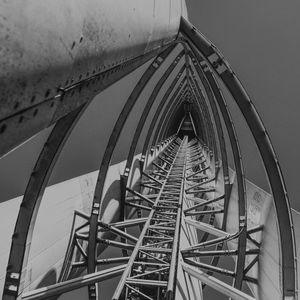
(159, 230)
(216, 284)
(73, 284)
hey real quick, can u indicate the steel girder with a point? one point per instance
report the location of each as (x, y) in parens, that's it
(174, 194)
(21, 239)
(157, 113)
(107, 156)
(221, 67)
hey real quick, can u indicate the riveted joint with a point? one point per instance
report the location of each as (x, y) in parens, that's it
(12, 284)
(126, 173)
(95, 210)
(226, 179)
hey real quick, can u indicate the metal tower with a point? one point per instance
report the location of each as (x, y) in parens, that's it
(181, 206)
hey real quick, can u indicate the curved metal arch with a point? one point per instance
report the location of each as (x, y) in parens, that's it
(163, 117)
(187, 63)
(209, 117)
(157, 112)
(263, 142)
(96, 205)
(165, 112)
(170, 114)
(237, 157)
(146, 110)
(212, 149)
(212, 115)
(198, 122)
(204, 116)
(39, 116)
(198, 127)
(138, 131)
(216, 95)
(31, 201)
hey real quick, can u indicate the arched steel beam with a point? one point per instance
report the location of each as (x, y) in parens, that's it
(157, 112)
(165, 112)
(210, 119)
(209, 81)
(199, 122)
(162, 119)
(199, 129)
(21, 239)
(145, 113)
(237, 157)
(263, 142)
(96, 205)
(138, 130)
(220, 134)
(200, 96)
(213, 152)
(171, 113)
(187, 65)
(166, 124)
(66, 95)
(203, 124)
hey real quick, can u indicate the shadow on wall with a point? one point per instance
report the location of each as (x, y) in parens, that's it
(49, 278)
(112, 194)
(135, 172)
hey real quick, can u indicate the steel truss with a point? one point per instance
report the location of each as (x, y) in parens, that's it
(174, 216)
